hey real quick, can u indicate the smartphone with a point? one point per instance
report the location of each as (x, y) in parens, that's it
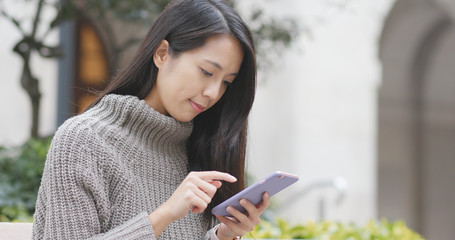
(272, 184)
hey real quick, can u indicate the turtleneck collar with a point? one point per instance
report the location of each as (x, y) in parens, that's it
(138, 119)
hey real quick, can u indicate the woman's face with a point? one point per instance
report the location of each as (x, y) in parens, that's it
(195, 80)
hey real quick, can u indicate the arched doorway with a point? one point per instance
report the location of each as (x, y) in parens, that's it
(83, 69)
(92, 67)
(416, 135)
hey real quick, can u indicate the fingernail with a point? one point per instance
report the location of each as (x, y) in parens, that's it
(266, 195)
(243, 201)
(229, 209)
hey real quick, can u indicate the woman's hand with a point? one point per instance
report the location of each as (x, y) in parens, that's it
(194, 193)
(241, 223)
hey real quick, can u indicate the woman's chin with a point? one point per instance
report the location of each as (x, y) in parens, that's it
(184, 117)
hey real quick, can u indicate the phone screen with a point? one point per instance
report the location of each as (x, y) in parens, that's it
(272, 184)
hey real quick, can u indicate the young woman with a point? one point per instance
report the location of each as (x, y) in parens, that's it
(164, 142)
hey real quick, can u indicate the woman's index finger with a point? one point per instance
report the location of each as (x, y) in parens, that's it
(215, 175)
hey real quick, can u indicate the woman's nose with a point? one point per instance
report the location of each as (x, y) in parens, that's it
(212, 90)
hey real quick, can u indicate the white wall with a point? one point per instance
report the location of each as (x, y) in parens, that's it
(15, 120)
(316, 115)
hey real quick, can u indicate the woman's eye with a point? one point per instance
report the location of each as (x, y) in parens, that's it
(227, 83)
(206, 73)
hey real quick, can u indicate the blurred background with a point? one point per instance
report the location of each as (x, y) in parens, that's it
(357, 97)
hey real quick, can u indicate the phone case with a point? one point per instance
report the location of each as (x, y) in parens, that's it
(272, 184)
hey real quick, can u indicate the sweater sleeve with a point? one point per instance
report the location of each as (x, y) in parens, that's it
(211, 234)
(73, 198)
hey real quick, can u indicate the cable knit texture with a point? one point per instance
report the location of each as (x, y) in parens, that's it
(111, 166)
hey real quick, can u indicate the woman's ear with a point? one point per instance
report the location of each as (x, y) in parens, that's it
(161, 53)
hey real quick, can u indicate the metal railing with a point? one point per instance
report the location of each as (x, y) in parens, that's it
(340, 184)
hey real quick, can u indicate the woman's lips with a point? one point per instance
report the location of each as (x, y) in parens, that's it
(197, 107)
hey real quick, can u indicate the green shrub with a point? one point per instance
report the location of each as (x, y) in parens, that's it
(326, 230)
(21, 170)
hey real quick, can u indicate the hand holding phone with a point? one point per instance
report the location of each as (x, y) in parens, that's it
(272, 184)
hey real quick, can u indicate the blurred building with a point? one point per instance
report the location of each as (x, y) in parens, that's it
(362, 109)
(416, 142)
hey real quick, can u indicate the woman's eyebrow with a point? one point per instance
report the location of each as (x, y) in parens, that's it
(217, 65)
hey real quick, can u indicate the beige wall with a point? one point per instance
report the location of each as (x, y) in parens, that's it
(316, 113)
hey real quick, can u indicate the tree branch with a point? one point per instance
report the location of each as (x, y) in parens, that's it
(13, 20)
(49, 51)
(48, 31)
(37, 18)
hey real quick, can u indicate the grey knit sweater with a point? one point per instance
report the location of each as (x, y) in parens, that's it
(108, 168)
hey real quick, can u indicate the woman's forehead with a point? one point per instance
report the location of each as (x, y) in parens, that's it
(221, 51)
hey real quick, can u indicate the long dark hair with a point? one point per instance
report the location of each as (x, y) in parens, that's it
(218, 140)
